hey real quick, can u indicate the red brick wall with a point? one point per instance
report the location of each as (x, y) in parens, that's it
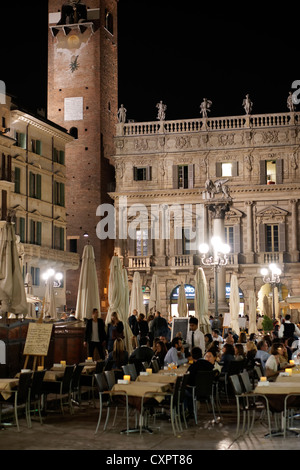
(87, 159)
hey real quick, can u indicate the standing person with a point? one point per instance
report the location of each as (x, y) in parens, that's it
(159, 326)
(95, 336)
(288, 329)
(132, 320)
(142, 328)
(195, 337)
(115, 329)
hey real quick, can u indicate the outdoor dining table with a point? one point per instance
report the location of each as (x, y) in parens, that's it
(136, 390)
(276, 392)
(6, 385)
(166, 378)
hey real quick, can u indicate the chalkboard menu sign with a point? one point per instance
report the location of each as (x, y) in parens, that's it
(180, 325)
(38, 339)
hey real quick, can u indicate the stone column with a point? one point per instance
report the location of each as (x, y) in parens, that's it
(294, 232)
(250, 251)
(218, 210)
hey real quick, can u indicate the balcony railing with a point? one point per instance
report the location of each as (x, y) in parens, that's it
(208, 124)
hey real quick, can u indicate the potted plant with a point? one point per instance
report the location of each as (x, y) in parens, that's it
(267, 324)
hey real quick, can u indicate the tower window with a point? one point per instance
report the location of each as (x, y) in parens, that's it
(109, 22)
(74, 132)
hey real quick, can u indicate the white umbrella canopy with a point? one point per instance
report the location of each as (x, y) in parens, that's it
(115, 289)
(125, 313)
(28, 290)
(12, 290)
(276, 303)
(136, 297)
(49, 301)
(182, 302)
(201, 301)
(234, 304)
(88, 288)
(252, 313)
(154, 301)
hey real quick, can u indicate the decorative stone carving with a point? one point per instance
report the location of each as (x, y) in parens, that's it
(122, 114)
(205, 107)
(247, 104)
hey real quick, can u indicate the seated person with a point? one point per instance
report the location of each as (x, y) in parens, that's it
(176, 353)
(143, 352)
(199, 364)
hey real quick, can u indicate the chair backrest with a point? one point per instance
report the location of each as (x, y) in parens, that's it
(145, 365)
(155, 365)
(101, 382)
(76, 376)
(37, 384)
(236, 384)
(258, 371)
(176, 390)
(99, 367)
(132, 371)
(110, 377)
(246, 382)
(204, 382)
(23, 387)
(126, 369)
(182, 388)
(67, 378)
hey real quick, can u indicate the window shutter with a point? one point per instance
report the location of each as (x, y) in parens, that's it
(31, 184)
(22, 140)
(191, 176)
(178, 240)
(62, 195)
(262, 172)
(22, 229)
(32, 230)
(235, 168)
(281, 229)
(55, 155)
(38, 147)
(3, 167)
(134, 173)
(279, 171)
(17, 180)
(262, 238)
(218, 169)
(236, 238)
(61, 157)
(175, 176)
(39, 233)
(148, 173)
(62, 239)
(38, 187)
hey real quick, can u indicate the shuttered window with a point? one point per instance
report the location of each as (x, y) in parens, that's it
(17, 180)
(183, 176)
(35, 185)
(271, 171)
(35, 232)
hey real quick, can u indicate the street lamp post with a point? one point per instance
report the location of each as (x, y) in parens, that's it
(271, 275)
(215, 255)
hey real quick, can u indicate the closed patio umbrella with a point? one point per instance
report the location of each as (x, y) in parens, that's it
(49, 301)
(136, 297)
(154, 301)
(115, 288)
(201, 301)
(12, 290)
(28, 290)
(88, 288)
(234, 305)
(182, 302)
(125, 314)
(252, 313)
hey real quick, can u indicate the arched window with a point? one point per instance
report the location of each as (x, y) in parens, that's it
(74, 132)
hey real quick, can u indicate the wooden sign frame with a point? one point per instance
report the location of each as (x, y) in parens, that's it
(37, 342)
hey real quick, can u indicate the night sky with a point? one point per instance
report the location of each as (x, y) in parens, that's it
(171, 51)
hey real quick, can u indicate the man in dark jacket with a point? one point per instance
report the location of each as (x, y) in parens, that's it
(159, 326)
(95, 336)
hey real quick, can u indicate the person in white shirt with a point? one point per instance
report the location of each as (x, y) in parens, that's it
(195, 337)
(175, 354)
(288, 329)
(216, 337)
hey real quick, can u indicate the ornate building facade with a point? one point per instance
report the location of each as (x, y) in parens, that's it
(162, 169)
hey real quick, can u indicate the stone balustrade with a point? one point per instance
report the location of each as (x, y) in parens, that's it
(208, 124)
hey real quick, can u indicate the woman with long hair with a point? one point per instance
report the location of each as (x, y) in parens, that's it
(115, 329)
(119, 354)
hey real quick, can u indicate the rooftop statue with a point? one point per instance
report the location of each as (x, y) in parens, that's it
(122, 114)
(73, 12)
(290, 103)
(205, 107)
(161, 115)
(247, 104)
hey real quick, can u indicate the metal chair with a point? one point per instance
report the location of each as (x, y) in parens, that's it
(204, 383)
(35, 393)
(107, 398)
(19, 397)
(76, 384)
(61, 388)
(130, 369)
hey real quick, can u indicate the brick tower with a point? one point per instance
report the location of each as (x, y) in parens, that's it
(83, 98)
